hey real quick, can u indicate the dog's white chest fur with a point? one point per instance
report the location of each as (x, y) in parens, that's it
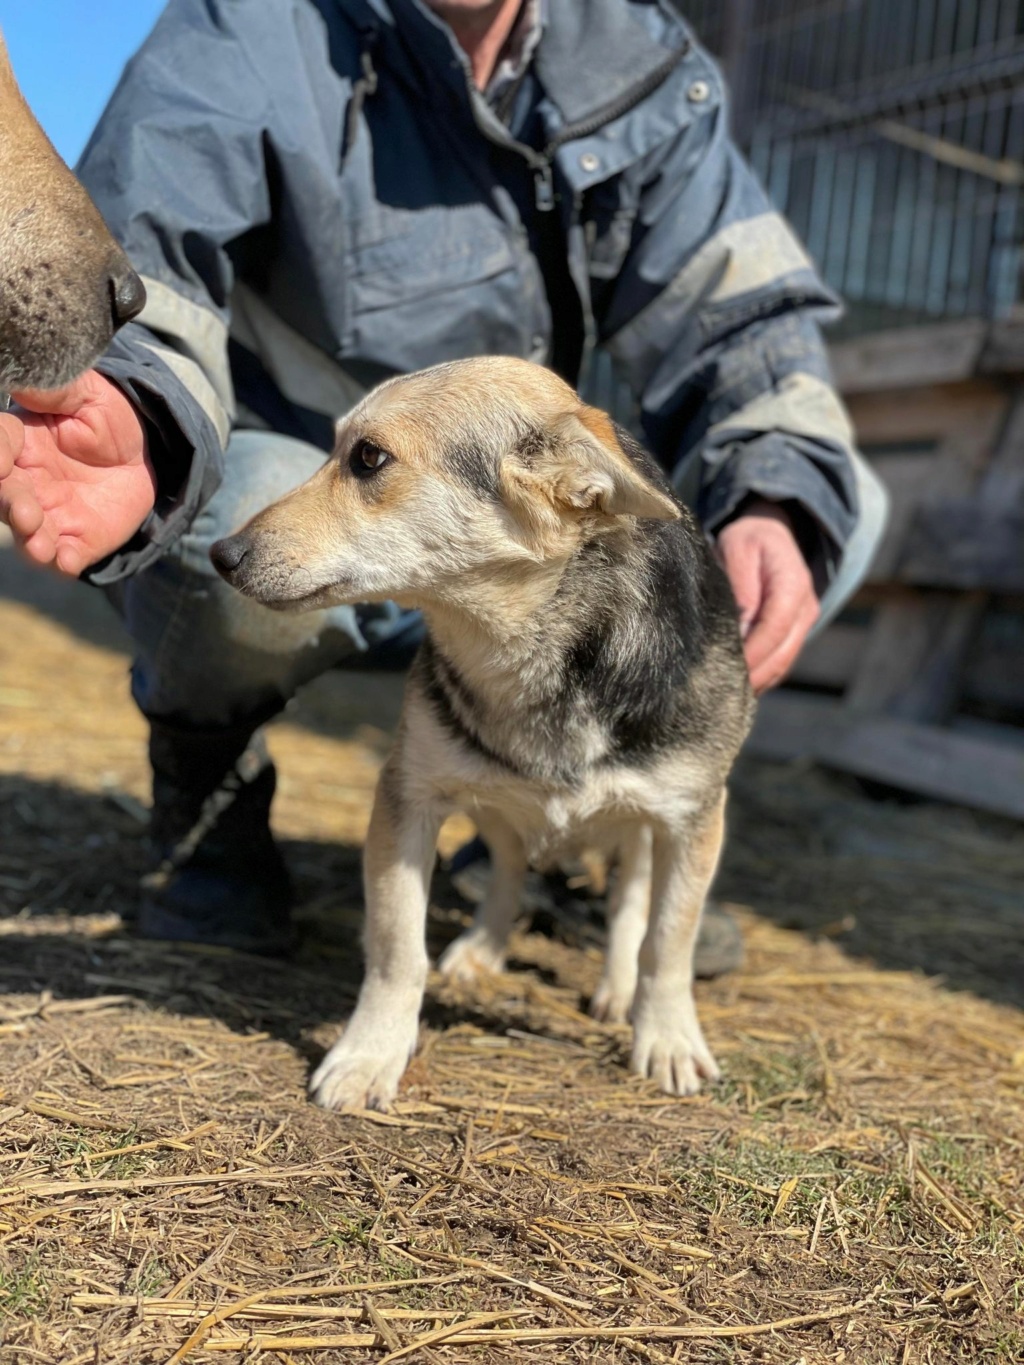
(550, 819)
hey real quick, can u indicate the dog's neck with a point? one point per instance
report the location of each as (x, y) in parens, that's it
(507, 634)
(496, 626)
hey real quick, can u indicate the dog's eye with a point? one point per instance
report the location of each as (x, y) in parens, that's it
(367, 458)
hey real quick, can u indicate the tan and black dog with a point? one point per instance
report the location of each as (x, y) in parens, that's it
(65, 284)
(582, 684)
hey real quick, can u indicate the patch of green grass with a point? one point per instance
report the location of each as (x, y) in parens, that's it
(149, 1277)
(340, 1229)
(877, 1199)
(765, 1080)
(23, 1292)
(392, 1267)
(1006, 1345)
(124, 1167)
(83, 1147)
(74, 1142)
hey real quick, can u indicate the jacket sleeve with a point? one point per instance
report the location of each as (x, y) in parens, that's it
(713, 320)
(178, 171)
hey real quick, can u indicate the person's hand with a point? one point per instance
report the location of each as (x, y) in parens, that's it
(773, 589)
(75, 476)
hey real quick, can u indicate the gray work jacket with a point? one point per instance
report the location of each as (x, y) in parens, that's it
(317, 197)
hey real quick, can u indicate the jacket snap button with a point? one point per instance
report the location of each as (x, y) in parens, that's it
(589, 162)
(698, 92)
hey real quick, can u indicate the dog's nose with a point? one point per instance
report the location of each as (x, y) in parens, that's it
(227, 555)
(127, 296)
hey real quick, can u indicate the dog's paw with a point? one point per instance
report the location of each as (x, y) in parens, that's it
(473, 954)
(353, 1078)
(669, 1049)
(612, 1001)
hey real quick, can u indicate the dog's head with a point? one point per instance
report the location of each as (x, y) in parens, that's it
(469, 470)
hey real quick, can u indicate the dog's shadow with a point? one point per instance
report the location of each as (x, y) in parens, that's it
(70, 868)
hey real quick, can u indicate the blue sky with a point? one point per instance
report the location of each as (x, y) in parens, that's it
(68, 56)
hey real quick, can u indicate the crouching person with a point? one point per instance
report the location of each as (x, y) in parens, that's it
(323, 194)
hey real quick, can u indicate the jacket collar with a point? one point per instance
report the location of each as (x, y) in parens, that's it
(591, 53)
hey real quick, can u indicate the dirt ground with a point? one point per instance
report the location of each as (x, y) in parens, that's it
(853, 1191)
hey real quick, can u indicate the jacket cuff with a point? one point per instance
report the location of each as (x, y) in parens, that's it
(183, 449)
(777, 469)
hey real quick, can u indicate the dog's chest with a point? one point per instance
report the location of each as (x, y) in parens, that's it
(550, 816)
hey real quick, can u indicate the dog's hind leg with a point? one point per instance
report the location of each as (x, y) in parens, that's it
(628, 910)
(482, 947)
(668, 1045)
(363, 1069)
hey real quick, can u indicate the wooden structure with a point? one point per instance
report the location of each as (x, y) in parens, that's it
(920, 683)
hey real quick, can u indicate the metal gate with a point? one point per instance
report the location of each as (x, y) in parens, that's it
(891, 133)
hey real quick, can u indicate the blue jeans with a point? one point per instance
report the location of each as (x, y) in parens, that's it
(206, 656)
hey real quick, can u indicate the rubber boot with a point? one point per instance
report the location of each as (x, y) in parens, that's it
(220, 879)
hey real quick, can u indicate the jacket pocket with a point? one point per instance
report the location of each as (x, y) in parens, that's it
(450, 285)
(395, 259)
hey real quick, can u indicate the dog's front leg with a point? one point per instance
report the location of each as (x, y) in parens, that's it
(668, 1045)
(363, 1069)
(482, 947)
(628, 913)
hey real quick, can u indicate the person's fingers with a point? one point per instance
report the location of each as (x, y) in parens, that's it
(771, 668)
(20, 509)
(33, 538)
(70, 559)
(773, 620)
(742, 562)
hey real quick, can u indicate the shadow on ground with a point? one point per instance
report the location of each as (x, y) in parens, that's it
(919, 885)
(928, 891)
(70, 871)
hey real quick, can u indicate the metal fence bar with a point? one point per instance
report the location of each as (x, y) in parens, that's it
(891, 132)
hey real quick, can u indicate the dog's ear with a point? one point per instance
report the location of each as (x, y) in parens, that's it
(593, 472)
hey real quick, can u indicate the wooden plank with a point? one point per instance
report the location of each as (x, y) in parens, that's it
(915, 655)
(907, 479)
(923, 414)
(994, 676)
(1003, 482)
(831, 659)
(1003, 352)
(966, 543)
(947, 765)
(939, 353)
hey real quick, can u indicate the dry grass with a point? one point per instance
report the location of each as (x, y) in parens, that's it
(854, 1191)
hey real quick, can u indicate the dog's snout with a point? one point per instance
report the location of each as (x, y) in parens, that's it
(227, 555)
(127, 295)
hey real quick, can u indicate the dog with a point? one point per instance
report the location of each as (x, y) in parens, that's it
(65, 284)
(582, 682)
